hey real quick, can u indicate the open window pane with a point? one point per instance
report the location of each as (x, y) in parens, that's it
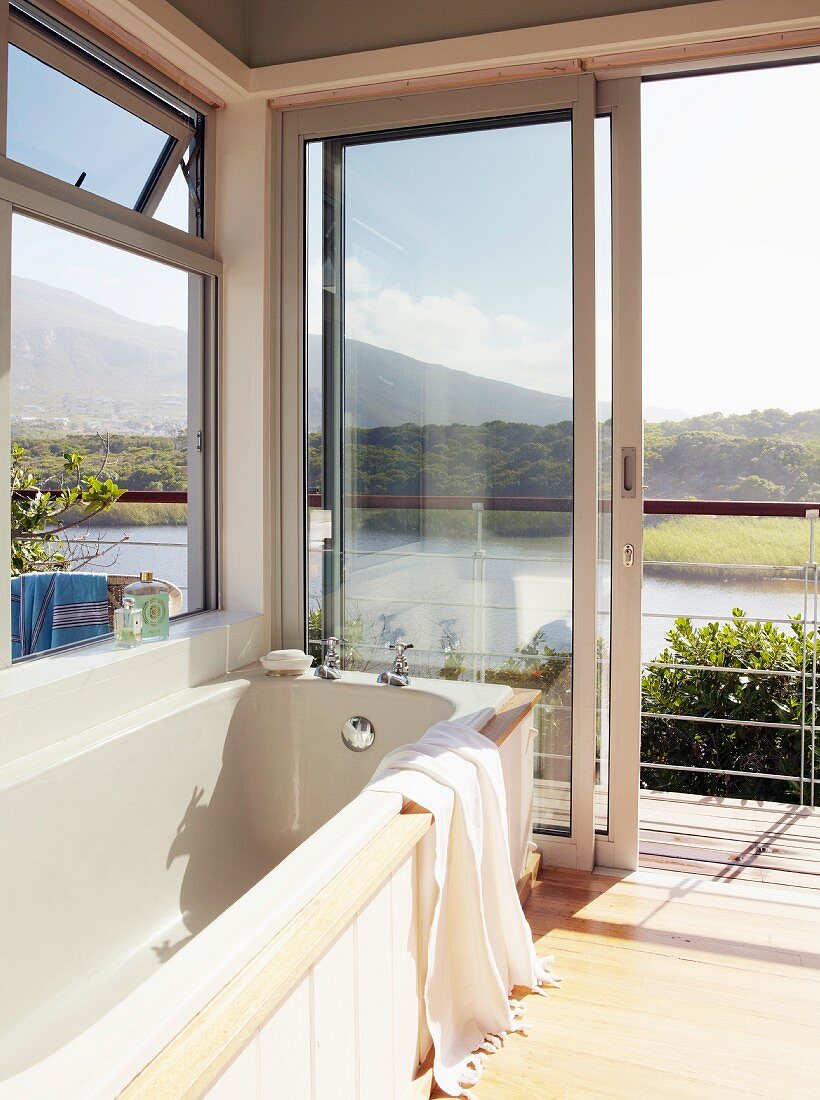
(60, 127)
(107, 366)
(174, 208)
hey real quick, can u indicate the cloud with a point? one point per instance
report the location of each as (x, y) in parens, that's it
(450, 329)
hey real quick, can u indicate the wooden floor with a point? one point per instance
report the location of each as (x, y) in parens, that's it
(731, 838)
(673, 988)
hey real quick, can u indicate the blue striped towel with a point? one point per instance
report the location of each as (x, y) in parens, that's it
(55, 609)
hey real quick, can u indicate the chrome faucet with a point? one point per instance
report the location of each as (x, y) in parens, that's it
(329, 668)
(399, 674)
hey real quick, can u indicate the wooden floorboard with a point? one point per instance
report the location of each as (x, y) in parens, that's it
(759, 841)
(673, 987)
(763, 841)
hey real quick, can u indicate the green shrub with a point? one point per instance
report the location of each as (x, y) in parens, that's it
(745, 647)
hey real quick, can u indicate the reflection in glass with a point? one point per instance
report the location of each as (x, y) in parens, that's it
(60, 127)
(439, 309)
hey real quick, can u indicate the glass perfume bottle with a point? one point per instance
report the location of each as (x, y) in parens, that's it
(152, 598)
(127, 624)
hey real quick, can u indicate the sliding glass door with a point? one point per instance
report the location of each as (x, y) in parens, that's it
(457, 455)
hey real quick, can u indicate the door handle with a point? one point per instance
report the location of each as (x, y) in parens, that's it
(629, 457)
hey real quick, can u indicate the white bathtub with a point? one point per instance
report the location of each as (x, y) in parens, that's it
(144, 862)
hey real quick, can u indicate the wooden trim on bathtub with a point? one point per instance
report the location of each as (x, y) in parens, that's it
(199, 1053)
(529, 878)
(511, 715)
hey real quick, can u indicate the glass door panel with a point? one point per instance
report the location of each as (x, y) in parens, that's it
(732, 439)
(439, 353)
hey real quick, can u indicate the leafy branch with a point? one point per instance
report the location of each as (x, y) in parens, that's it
(42, 512)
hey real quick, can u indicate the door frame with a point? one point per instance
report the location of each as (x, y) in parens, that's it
(621, 99)
(292, 130)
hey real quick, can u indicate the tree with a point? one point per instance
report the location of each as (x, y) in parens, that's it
(41, 513)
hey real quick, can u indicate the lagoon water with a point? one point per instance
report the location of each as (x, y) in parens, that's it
(162, 549)
(436, 590)
(433, 592)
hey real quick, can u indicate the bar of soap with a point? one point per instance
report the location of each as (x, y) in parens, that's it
(284, 654)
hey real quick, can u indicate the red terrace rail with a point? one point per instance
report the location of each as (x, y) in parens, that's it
(131, 496)
(450, 503)
(654, 507)
(781, 508)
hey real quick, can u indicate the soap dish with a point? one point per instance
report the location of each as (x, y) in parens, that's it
(295, 665)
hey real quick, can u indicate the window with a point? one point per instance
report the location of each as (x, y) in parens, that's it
(439, 352)
(77, 115)
(112, 343)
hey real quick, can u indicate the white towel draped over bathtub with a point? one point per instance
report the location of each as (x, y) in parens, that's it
(480, 943)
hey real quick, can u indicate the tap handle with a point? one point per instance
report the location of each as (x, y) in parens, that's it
(400, 647)
(332, 645)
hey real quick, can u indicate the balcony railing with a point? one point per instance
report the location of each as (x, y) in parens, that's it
(476, 606)
(473, 603)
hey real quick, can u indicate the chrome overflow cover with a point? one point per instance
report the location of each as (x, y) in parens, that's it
(358, 733)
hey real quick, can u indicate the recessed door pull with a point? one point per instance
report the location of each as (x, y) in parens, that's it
(629, 460)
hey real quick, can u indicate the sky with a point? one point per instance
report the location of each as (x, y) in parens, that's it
(459, 248)
(731, 238)
(58, 126)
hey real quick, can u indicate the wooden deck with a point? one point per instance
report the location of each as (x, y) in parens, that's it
(674, 988)
(730, 838)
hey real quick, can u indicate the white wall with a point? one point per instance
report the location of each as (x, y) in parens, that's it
(242, 239)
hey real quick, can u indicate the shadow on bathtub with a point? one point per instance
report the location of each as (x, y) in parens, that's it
(224, 856)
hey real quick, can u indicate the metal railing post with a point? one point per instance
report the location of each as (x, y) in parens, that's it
(479, 599)
(811, 570)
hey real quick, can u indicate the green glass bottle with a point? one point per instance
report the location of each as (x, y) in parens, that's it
(153, 599)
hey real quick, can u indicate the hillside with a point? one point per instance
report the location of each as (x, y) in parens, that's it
(76, 360)
(84, 367)
(391, 389)
(759, 424)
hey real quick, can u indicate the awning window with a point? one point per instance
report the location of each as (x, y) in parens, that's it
(70, 117)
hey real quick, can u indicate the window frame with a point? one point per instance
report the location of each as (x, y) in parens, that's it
(30, 192)
(575, 93)
(37, 36)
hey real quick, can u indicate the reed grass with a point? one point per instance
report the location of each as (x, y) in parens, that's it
(728, 540)
(142, 515)
(463, 523)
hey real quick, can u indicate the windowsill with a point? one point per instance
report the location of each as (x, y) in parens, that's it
(62, 693)
(45, 668)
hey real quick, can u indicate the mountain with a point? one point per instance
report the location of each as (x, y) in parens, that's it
(86, 367)
(74, 359)
(392, 388)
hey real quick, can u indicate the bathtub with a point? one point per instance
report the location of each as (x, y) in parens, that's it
(146, 861)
